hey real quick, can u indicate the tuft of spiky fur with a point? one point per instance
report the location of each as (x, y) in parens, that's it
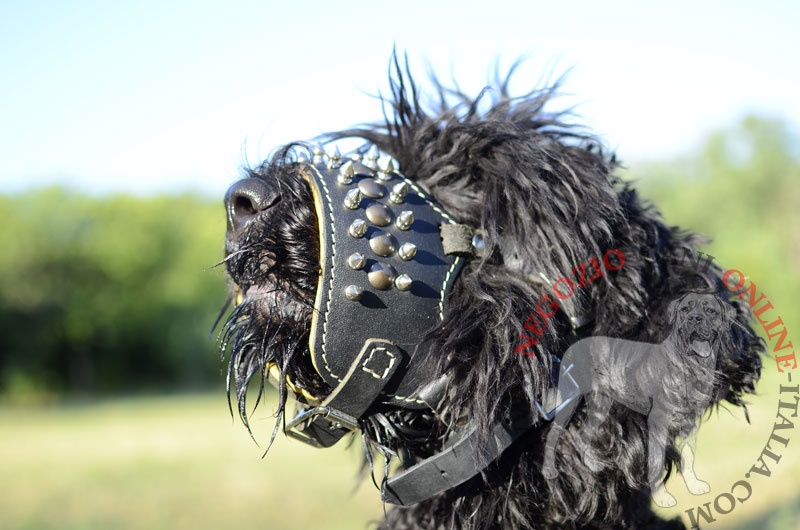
(546, 198)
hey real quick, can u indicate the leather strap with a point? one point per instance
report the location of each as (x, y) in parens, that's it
(453, 466)
(458, 461)
(338, 415)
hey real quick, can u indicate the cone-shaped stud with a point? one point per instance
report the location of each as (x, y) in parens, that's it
(407, 251)
(379, 214)
(385, 174)
(346, 173)
(381, 276)
(318, 154)
(352, 199)
(405, 220)
(334, 157)
(356, 261)
(353, 292)
(399, 192)
(373, 153)
(372, 157)
(403, 282)
(357, 228)
(383, 244)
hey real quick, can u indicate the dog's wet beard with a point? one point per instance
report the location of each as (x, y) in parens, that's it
(273, 264)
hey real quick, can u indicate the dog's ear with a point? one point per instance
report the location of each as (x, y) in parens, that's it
(728, 311)
(672, 309)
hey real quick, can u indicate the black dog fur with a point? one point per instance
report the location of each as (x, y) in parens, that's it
(671, 383)
(546, 197)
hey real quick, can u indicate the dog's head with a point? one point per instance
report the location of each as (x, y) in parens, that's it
(328, 291)
(700, 321)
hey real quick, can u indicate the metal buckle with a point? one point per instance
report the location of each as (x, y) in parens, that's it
(575, 392)
(337, 418)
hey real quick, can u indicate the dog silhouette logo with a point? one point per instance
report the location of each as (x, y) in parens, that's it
(671, 383)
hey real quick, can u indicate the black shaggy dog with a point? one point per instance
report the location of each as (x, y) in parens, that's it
(456, 392)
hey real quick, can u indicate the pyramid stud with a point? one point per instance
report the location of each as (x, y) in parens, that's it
(346, 173)
(334, 157)
(381, 276)
(403, 282)
(353, 292)
(399, 193)
(357, 228)
(407, 251)
(352, 199)
(371, 189)
(383, 244)
(356, 261)
(379, 214)
(405, 220)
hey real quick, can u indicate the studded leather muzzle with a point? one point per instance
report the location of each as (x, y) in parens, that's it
(388, 258)
(384, 277)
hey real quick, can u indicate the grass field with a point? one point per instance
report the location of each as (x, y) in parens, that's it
(180, 462)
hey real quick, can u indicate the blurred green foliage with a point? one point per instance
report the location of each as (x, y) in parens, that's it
(107, 294)
(118, 293)
(741, 187)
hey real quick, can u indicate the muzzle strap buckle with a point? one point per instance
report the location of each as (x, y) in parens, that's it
(326, 424)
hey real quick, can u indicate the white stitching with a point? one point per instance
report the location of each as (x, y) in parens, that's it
(333, 262)
(444, 214)
(410, 400)
(444, 286)
(372, 372)
(424, 196)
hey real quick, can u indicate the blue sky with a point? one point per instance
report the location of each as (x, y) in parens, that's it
(165, 96)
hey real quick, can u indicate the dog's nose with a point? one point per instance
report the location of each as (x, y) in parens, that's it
(245, 200)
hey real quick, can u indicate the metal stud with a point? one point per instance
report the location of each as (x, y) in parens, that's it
(356, 261)
(399, 192)
(385, 174)
(356, 156)
(334, 157)
(403, 282)
(357, 228)
(346, 173)
(363, 170)
(405, 220)
(372, 157)
(379, 214)
(381, 276)
(478, 244)
(318, 154)
(407, 251)
(353, 292)
(371, 189)
(383, 244)
(352, 199)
